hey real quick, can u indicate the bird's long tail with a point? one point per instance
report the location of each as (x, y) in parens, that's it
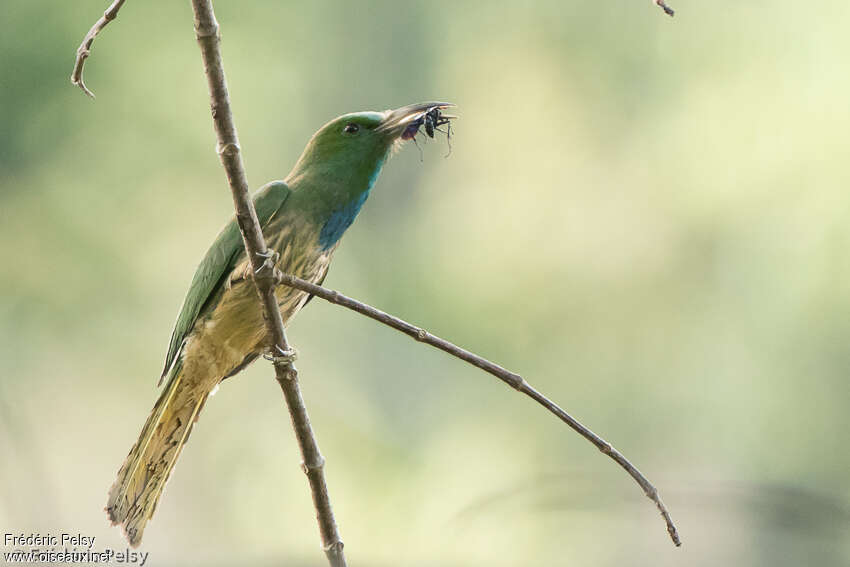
(133, 497)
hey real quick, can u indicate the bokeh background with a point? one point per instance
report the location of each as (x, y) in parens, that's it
(646, 217)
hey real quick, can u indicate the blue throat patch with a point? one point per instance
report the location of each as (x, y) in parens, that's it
(339, 221)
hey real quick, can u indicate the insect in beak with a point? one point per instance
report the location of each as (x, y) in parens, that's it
(431, 120)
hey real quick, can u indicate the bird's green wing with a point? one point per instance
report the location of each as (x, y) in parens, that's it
(219, 261)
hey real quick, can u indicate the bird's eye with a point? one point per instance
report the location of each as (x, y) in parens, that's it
(351, 128)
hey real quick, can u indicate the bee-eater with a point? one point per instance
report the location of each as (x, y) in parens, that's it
(220, 329)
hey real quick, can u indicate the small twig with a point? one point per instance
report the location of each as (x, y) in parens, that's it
(510, 378)
(85, 47)
(663, 5)
(207, 34)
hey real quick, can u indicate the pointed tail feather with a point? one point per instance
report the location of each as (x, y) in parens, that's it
(134, 496)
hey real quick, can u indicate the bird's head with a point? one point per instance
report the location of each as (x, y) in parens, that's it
(353, 147)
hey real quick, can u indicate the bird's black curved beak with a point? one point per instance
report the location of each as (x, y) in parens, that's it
(397, 121)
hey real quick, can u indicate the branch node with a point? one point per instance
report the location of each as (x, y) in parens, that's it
(318, 465)
(517, 382)
(228, 149)
(79, 81)
(204, 30)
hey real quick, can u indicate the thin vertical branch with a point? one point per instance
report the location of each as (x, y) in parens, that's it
(85, 47)
(207, 34)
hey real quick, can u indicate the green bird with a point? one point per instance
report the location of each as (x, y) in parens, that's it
(220, 329)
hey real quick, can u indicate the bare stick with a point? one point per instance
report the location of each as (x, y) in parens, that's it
(510, 378)
(85, 47)
(207, 34)
(663, 5)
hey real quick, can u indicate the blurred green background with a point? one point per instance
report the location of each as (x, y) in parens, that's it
(646, 217)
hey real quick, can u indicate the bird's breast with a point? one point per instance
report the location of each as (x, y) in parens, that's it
(235, 328)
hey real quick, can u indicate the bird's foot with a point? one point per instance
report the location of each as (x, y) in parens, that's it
(278, 355)
(270, 258)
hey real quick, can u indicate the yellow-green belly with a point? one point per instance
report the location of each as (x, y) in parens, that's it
(235, 329)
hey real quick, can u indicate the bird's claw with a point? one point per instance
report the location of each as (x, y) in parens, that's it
(270, 261)
(281, 356)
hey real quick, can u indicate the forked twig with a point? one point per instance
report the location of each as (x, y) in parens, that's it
(510, 378)
(85, 47)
